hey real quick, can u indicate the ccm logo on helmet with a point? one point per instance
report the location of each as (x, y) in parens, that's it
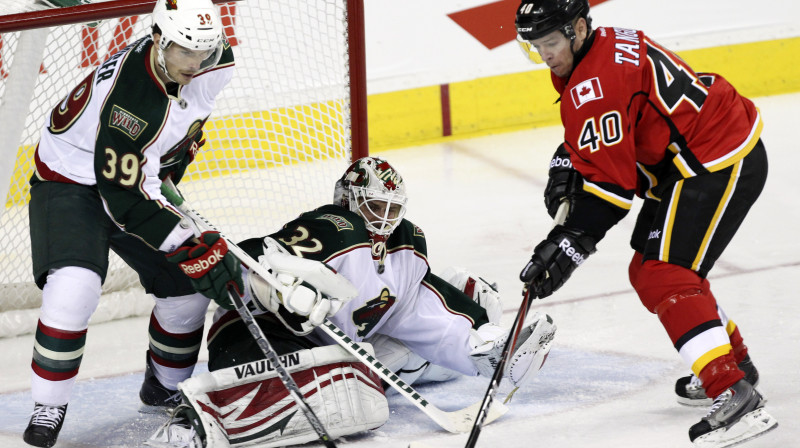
(203, 264)
(576, 257)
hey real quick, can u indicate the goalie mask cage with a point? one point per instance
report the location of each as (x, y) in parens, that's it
(282, 132)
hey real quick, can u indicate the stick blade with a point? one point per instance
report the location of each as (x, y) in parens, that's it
(462, 420)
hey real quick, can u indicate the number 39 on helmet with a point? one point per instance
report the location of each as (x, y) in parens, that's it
(192, 24)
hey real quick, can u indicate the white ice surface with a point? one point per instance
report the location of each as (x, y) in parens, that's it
(609, 379)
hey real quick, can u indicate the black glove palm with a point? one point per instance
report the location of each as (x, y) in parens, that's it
(554, 260)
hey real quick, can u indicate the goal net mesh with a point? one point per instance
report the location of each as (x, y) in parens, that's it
(276, 143)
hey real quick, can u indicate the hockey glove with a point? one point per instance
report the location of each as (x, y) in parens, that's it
(554, 260)
(528, 355)
(563, 181)
(311, 291)
(210, 267)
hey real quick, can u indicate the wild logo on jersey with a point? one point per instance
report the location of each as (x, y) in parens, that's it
(366, 317)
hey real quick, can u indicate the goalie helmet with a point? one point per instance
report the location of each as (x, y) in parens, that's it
(192, 24)
(374, 190)
(538, 18)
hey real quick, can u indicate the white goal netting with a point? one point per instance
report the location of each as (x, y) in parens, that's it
(278, 140)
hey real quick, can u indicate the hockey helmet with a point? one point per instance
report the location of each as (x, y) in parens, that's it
(374, 190)
(538, 18)
(192, 24)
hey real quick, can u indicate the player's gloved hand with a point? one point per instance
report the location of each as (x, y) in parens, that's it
(563, 181)
(554, 260)
(482, 292)
(310, 290)
(529, 352)
(211, 268)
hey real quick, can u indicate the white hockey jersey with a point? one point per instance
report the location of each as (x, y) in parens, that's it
(124, 131)
(405, 301)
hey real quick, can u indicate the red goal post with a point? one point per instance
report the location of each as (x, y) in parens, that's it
(282, 132)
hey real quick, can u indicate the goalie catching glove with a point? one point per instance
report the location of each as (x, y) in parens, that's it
(311, 291)
(210, 267)
(528, 355)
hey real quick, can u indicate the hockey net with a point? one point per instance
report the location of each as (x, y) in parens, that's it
(285, 128)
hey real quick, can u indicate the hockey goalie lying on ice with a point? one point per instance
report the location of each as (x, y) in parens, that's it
(379, 290)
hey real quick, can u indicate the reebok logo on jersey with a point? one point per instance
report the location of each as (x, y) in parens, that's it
(576, 257)
(586, 91)
(200, 266)
(129, 124)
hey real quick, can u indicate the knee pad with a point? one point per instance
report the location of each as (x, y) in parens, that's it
(181, 314)
(655, 281)
(70, 297)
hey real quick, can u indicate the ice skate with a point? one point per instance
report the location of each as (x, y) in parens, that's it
(737, 415)
(45, 424)
(178, 432)
(154, 395)
(690, 392)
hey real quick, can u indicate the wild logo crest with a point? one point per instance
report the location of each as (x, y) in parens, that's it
(129, 124)
(172, 5)
(368, 316)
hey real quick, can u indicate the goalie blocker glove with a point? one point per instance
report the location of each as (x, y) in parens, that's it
(211, 268)
(563, 181)
(311, 292)
(555, 258)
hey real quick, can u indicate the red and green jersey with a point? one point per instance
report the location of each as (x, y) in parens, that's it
(123, 131)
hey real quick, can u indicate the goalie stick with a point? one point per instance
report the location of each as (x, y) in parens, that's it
(453, 421)
(171, 193)
(516, 327)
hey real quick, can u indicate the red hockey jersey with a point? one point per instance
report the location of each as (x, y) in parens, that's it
(637, 118)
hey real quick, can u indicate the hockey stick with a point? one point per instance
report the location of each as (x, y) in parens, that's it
(516, 327)
(284, 375)
(171, 193)
(453, 421)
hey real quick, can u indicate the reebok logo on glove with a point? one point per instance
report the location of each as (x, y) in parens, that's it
(199, 266)
(559, 162)
(576, 257)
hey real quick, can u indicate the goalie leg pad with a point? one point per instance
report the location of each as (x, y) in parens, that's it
(248, 405)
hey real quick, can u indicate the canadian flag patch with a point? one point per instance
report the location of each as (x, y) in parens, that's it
(586, 91)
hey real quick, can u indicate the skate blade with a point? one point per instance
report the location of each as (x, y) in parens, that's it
(751, 425)
(702, 402)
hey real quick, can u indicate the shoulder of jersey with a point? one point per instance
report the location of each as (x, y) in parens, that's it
(336, 228)
(408, 234)
(134, 104)
(227, 55)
